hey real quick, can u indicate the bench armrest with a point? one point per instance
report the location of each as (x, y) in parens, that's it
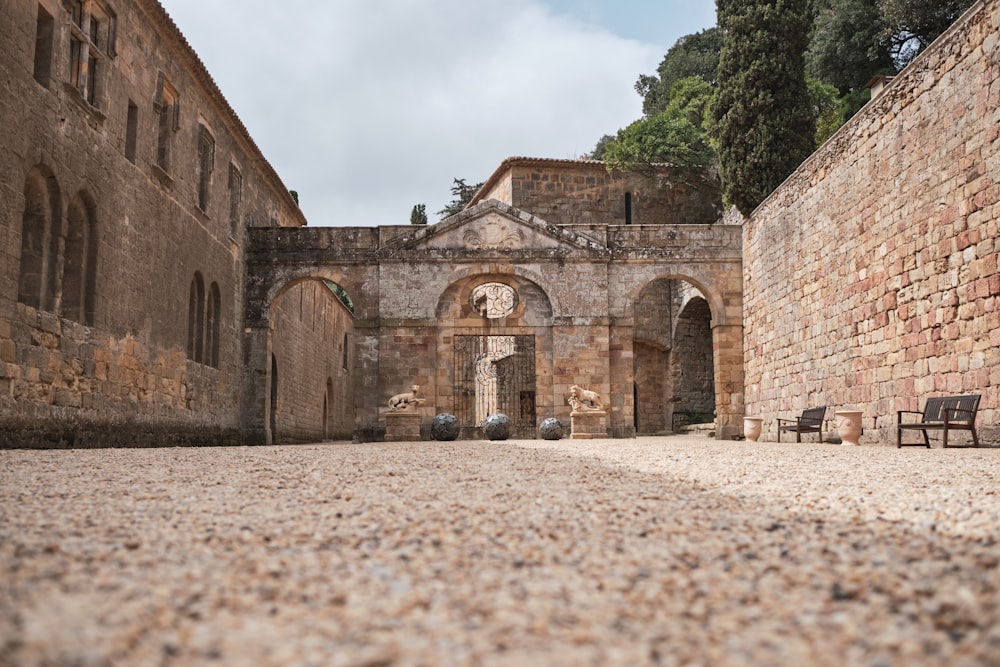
(900, 413)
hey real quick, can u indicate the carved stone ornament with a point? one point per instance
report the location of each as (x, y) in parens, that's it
(584, 400)
(494, 235)
(494, 300)
(407, 402)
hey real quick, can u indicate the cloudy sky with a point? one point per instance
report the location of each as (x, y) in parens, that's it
(367, 107)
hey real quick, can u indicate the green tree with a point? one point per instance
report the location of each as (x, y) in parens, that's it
(692, 55)
(847, 45)
(764, 125)
(826, 109)
(676, 136)
(418, 216)
(601, 148)
(911, 25)
(462, 194)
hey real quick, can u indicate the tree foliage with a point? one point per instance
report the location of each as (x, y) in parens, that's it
(418, 216)
(847, 46)
(911, 25)
(826, 109)
(676, 136)
(695, 55)
(461, 194)
(764, 123)
(848, 43)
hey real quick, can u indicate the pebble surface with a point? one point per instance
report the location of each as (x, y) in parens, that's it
(652, 551)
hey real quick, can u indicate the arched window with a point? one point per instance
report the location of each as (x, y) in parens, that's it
(212, 316)
(79, 260)
(628, 208)
(196, 319)
(40, 230)
(204, 322)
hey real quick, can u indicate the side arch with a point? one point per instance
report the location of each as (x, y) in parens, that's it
(727, 364)
(310, 324)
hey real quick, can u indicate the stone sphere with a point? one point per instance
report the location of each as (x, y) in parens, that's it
(444, 426)
(550, 429)
(497, 427)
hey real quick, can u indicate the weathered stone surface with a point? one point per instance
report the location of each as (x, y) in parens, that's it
(445, 426)
(496, 427)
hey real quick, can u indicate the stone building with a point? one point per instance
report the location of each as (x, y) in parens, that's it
(497, 309)
(127, 184)
(159, 284)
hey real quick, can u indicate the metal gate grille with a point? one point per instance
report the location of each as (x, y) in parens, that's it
(495, 374)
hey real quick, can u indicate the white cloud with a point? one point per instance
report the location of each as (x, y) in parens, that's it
(368, 107)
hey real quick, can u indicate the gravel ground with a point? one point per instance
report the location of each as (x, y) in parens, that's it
(672, 551)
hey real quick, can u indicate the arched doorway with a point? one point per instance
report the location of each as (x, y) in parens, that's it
(311, 325)
(673, 363)
(327, 421)
(495, 338)
(691, 370)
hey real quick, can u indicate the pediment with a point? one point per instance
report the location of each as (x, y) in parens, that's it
(493, 226)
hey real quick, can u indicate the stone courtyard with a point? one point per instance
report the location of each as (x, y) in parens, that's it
(674, 550)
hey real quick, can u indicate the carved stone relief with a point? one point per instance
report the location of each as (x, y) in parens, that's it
(494, 235)
(494, 300)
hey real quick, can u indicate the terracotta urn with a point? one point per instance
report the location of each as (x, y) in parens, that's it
(849, 426)
(751, 427)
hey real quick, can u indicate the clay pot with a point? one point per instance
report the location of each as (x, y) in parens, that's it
(848, 426)
(751, 427)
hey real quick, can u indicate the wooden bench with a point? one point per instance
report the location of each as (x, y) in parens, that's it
(944, 413)
(811, 421)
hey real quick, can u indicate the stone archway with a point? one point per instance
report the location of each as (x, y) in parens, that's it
(495, 351)
(692, 368)
(681, 323)
(413, 296)
(311, 399)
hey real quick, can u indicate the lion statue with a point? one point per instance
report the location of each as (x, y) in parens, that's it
(584, 400)
(408, 401)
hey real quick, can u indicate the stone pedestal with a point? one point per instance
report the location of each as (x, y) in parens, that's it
(584, 425)
(402, 426)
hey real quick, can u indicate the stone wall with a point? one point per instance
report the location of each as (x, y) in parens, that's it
(122, 274)
(871, 274)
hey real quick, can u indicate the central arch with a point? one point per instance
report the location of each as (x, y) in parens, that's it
(495, 351)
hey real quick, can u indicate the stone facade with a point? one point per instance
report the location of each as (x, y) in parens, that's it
(871, 275)
(571, 304)
(126, 185)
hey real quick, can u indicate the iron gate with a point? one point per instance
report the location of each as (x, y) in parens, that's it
(495, 374)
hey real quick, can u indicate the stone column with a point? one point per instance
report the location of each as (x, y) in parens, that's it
(621, 364)
(255, 401)
(727, 348)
